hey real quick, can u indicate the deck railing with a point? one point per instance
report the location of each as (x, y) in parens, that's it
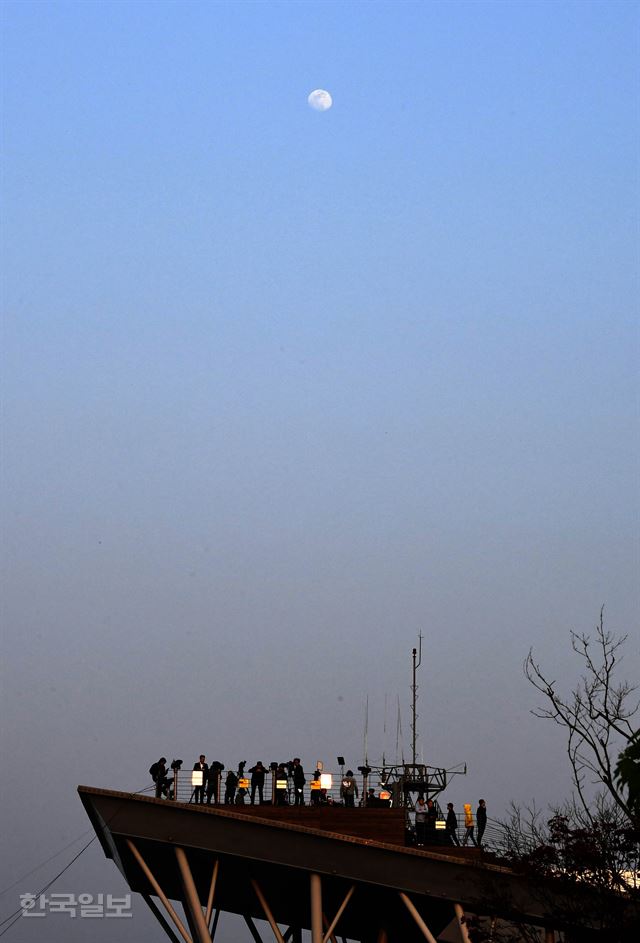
(185, 786)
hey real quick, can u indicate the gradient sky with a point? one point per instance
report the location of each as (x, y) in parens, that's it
(282, 389)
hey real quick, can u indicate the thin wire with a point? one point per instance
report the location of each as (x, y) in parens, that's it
(46, 861)
(15, 916)
(17, 913)
(56, 853)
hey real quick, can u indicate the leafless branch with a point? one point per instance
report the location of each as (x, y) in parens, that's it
(596, 714)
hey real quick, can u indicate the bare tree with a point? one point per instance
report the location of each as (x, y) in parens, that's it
(596, 715)
(592, 839)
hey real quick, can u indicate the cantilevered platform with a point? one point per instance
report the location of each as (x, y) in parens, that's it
(302, 868)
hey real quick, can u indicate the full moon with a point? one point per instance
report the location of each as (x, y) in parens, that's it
(320, 100)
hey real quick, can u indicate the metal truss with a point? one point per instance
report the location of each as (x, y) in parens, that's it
(202, 921)
(409, 779)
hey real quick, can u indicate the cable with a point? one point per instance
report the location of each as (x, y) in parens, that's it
(46, 861)
(17, 913)
(15, 916)
(56, 853)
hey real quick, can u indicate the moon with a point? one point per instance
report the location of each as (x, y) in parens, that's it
(320, 100)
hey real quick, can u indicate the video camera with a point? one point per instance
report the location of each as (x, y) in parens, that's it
(176, 765)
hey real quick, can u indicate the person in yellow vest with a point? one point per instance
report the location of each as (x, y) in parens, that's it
(468, 824)
(315, 788)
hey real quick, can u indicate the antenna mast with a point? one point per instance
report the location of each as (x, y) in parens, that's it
(366, 733)
(417, 658)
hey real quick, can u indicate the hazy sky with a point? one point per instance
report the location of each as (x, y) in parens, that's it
(283, 388)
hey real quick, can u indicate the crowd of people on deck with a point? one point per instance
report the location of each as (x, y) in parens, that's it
(426, 819)
(289, 779)
(238, 786)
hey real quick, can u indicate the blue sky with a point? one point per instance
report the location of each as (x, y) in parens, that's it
(283, 388)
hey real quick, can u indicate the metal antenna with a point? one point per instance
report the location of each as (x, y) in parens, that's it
(366, 732)
(399, 732)
(417, 658)
(384, 731)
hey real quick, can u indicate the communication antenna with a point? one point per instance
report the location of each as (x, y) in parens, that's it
(366, 732)
(417, 658)
(384, 731)
(399, 734)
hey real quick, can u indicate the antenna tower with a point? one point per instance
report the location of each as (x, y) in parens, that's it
(417, 658)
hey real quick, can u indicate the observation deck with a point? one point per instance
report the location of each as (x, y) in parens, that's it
(341, 873)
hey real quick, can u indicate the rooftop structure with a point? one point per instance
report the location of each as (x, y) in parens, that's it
(340, 873)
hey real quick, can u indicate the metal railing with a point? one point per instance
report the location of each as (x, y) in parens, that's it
(493, 839)
(187, 786)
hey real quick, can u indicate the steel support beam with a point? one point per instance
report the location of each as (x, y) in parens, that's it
(426, 932)
(240, 838)
(462, 923)
(212, 890)
(159, 892)
(155, 910)
(267, 911)
(341, 909)
(317, 935)
(327, 935)
(191, 895)
(213, 926)
(253, 929)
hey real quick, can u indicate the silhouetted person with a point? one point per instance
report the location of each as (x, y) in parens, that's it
(297, 775)
(370, 798)
(481, 819)
(349, 790)
(198, 791)
(257, 782)
(230, 786)
(432, 817)
(421, 821)
(281, 790)
(213, 782)
(241, 793)
(158, 773)
(468, 824)
(451, 827)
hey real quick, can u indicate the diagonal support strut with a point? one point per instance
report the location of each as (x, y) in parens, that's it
(159, 892)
